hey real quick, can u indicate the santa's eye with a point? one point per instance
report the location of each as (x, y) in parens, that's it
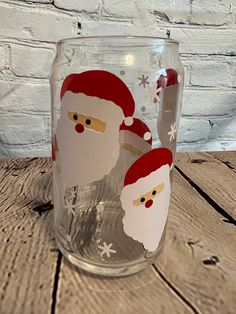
(154, 192)
(142, 199)
(88, 121)
(75, 117)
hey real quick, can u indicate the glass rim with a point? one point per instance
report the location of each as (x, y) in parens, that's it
(124, 38)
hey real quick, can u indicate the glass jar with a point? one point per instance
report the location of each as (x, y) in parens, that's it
(115, 113)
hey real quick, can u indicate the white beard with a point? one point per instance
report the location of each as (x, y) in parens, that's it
(88, 156)
(146, 225)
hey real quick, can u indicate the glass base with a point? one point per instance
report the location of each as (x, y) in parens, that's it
(124, 269)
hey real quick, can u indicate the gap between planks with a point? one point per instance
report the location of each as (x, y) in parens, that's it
(56, 283)
(153, 266)
(229, 161)
(212, 176)
(175, 290)
(210, 201)
(163, 278)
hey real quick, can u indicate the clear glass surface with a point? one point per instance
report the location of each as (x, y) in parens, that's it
(95, 229)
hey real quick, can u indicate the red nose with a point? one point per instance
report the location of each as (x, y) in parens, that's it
(79, 128)
(148, 203)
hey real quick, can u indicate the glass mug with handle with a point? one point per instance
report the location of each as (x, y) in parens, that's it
(115, 113)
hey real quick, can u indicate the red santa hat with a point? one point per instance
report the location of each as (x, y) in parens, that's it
(169, 78)
(148, 163)
(101, 84)
(139, 128)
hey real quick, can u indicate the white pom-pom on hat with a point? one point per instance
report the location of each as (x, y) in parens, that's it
(128, 121)
(147, 136)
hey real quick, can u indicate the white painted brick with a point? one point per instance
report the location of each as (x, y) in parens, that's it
(22, 129)
(31, 20)
(193, 130)
(77, 5)
(210, 12)
(24, 96)
(205, 129)
(2, 58)
(205, 40)
(187, 69)
(98, 28)
(174, 11)
(31, 62)
(210, 73)
(35, 24)
(164, 11)
(41, 149)
(214, 145)
(224, 128)
(208, 102)
(209, 47)
(234, 73)
(122, 8)
(212, 47)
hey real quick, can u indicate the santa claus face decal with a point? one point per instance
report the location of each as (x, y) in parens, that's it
(93, 106)
(81, 122)
(145, 197)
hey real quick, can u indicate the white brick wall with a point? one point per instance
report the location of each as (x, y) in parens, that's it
(81, 5)
(234, 74)
(35, 22)
(2, 58)
(30, 61)
(21, 96)
(15, 130)
(211, 12)
(216, 73)
(28, 33)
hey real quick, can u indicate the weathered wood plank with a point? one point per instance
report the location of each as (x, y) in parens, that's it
(195, 233)
(212, 176)
(141, 293)
(199, 254)
(27, 258)
(228, 158)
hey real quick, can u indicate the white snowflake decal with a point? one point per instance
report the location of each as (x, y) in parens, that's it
(172, 132)
(144, 80)
(106, 249)
(70, 206)
(73, 194)
(153, 94)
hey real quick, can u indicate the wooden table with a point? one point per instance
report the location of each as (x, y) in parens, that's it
(196, 272)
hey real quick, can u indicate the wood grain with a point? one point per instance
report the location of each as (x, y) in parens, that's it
(27, 254)
(199, 254)
(194, 274)
(229, 159)
(141, 293)
(212, 176)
